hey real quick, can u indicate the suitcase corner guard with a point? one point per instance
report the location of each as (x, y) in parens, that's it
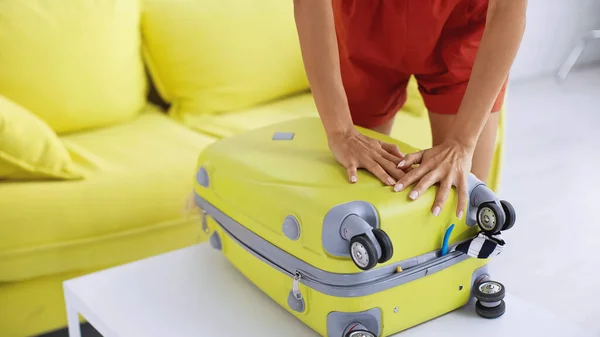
(352, 229)
(345, 221)
(366, 323)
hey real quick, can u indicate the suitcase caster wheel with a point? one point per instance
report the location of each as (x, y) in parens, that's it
(490, 312)
(489, 291)
(511, 215)
(487, 218)
(363, 252)
(359, 333)
(490, 299)
(387, 249)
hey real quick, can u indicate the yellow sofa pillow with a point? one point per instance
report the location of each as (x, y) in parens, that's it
(74, 63)
(29, 149)
(209, 57)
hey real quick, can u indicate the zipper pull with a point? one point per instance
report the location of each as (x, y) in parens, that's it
(296, 287)
(204, 221)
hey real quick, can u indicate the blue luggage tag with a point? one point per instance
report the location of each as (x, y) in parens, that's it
(446, 239)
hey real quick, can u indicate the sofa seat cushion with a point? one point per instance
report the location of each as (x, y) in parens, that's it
(412, 123)
(138, 176)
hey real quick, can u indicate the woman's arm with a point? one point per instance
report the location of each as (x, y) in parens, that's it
(505, 25)
(450, 162)
(316, 32)
(318, 43)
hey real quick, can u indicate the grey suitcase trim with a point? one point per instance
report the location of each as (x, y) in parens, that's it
(333, 284)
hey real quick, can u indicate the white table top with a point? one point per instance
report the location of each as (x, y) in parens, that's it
(196, 292)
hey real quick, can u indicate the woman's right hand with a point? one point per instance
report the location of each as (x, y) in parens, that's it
(354, 151)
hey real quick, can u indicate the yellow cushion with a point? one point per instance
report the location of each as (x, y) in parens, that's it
(139, 175)
(225, 125)
(209, 57)
(29, 149)
(74, 63)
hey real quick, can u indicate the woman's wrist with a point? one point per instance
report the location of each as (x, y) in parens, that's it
(466, 141)
(464, 134)
(337, 124)
(469, 122)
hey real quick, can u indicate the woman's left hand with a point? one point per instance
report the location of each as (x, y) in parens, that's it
(448, 163)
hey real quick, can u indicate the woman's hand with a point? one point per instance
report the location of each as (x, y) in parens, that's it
(354, 150)
(448, 163)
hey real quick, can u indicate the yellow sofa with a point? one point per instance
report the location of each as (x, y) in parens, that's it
(93, 172)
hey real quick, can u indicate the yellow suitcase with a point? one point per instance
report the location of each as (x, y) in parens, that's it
(348, 260)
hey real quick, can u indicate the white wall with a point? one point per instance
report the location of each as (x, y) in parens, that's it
(553, 28)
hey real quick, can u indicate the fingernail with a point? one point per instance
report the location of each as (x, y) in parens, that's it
(413, 195)
(436, 210)
(398, 187)
(391, 181)
(460, 214)
(400, 164)
(353, 179)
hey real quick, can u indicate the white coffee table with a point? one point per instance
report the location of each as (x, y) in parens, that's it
(196, 292)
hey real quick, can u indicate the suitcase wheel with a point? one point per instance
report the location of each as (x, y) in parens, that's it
(387, 249)
(489, 291)
(487, 218)
(490, 312)
(490, 299)
(363, 252)
(511, 215)
(357, 330)
(359, 333)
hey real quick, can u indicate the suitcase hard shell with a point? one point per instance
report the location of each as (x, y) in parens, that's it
(280, 208)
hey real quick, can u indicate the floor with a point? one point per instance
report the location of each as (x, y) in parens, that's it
(551, 177)
(86, 331)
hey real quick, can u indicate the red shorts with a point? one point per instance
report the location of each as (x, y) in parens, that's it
(383, 42)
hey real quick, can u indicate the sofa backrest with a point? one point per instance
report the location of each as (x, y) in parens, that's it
(75, 64)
